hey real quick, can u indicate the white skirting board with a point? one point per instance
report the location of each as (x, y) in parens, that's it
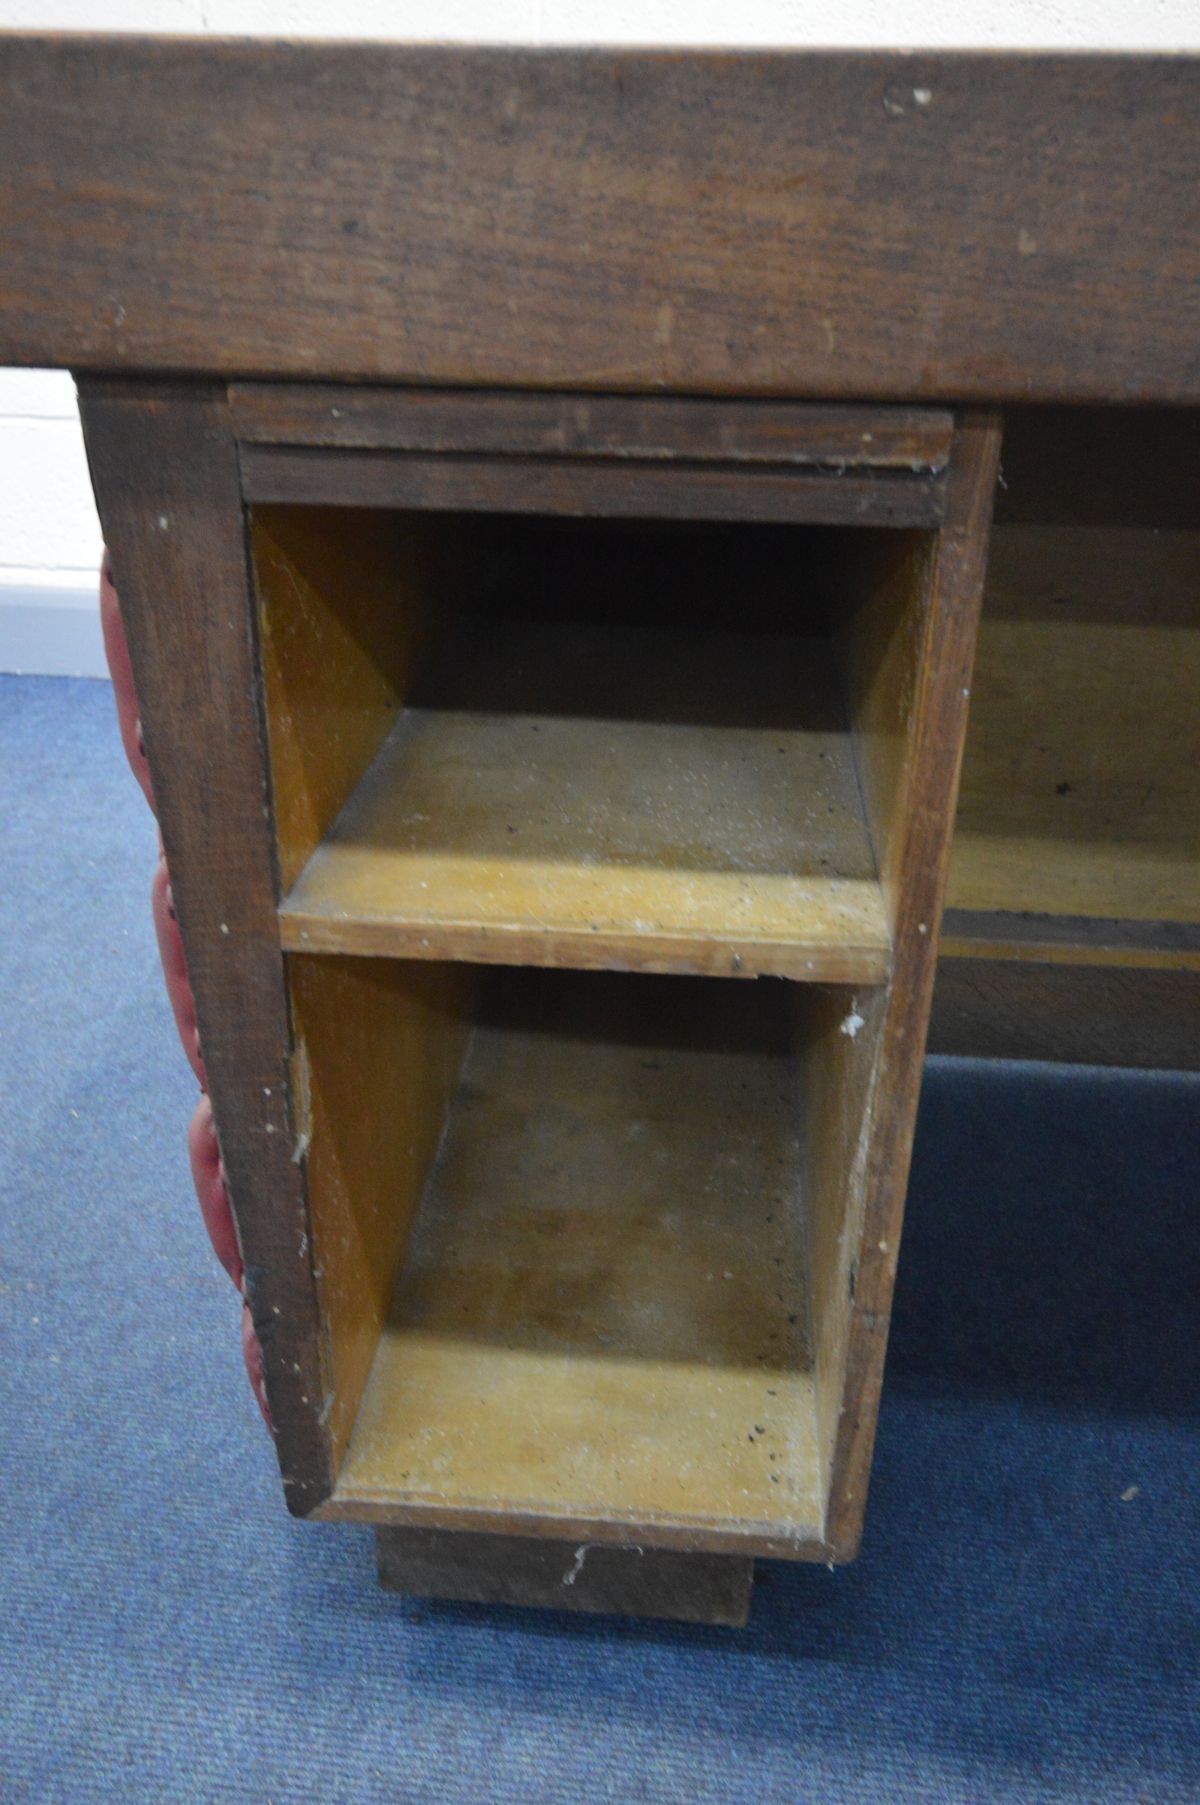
(51, 632)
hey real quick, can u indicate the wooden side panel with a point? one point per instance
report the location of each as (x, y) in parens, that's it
(379, 1048)
(881, 612)
(883, 225)
(347, 602)
(882, 593)
(918, 856)
(1081, 778)
(838, 1038)
(165, 473)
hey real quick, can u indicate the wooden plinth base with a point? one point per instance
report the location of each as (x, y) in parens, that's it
(557, 1575)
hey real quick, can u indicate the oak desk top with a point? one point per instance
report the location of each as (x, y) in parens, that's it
(891, 226)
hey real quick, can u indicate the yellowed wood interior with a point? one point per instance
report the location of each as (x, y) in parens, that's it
(345, 608)
(1081, 778)
(603, 1314)
(614, 1288)
(607, 795)
(379, 1049)
(879, 591)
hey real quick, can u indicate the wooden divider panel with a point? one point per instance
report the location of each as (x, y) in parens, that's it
(348, 600)
(379, 1046)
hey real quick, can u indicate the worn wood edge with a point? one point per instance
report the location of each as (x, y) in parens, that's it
(815, 961)
(699, 1537)
(941, 710)
(502, 422)
(622, 489)
(163, 464)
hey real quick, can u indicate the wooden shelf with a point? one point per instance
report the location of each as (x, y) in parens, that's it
(603, 1315)
(559, 1256)
(590, 796)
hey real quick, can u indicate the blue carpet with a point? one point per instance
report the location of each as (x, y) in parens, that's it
(1023, 1625)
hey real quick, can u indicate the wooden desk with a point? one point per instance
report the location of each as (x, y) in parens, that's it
(550, 496)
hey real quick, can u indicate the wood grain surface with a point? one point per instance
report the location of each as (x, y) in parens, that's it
(826, 224)
(617, 489)
(1079, 1014)
(164, 466)
(1081, 775)
(664, 429)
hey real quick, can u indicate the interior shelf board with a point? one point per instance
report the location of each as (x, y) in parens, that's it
(603, 1314)
(1070, 939)
(609, 796)
(1064, 877)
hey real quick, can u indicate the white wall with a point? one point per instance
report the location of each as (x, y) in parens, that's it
(886, 24)
(49, 537)
(49, 534)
